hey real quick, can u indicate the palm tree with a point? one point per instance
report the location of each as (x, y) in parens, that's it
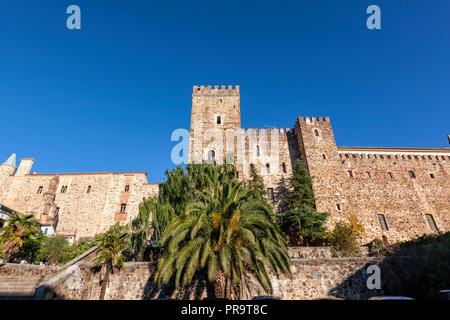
(226, 232)
(17, 230)
(109, 256)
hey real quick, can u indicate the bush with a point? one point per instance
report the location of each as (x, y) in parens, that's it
(343, 239)
(376, 246)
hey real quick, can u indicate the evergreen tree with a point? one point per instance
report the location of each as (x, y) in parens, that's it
(300, 220)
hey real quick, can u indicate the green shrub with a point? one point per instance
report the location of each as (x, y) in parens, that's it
(343, 239)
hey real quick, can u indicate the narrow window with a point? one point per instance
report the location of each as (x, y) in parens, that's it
(338, 207)
(350, 173)
(432, 175)
(211, 155)
(316, 133)
(412, 175)
(63, 189)
(267, 168)
(431, 223)
(40, 189)
(368, 174)
(57, 210)
(391, 176)
(270, 193)
(324, 156)
(283, 165)
(89, 189)
(219, 120)
(123, 207)
(383, 223)
(127, 188)
(257, 151)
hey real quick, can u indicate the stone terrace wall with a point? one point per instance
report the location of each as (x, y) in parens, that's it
(24, 270)
(316, 252)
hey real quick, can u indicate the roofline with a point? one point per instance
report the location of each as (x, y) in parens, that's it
(388, 149)
(84, 173)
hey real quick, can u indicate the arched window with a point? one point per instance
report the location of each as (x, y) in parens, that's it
(219, 120)
(316, 133)
(211, 155)
(283, 165)
(257, 151)
(267, 168)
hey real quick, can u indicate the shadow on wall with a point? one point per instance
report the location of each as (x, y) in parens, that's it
(399, 275)
(45, 292)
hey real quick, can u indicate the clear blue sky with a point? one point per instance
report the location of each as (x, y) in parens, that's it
(107, 97)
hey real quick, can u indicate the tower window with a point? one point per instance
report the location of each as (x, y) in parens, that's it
(127, 188)
(338, 207)
(57, 210)
(431, 223)
(382, 221)
(89, 189)
(316, 133)
(257, 151)
(270, 193)
(123, 207)
(350, 173)
(324, 156)
(432, 176)
(211, 155)
(219, 120)
(40, 189)
(63, 189)
(391, 176)
(368, 174)
(267, 168)
(283, 165)
(412, 175)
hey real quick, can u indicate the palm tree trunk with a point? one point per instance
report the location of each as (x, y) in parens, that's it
(104, 283)
(220, 285)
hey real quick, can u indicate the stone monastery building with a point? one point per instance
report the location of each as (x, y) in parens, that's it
(396, 193)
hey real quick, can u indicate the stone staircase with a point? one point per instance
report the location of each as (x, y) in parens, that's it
(19, 287)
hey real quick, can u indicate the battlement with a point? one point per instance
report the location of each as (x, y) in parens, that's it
(210, 91)
(313, 119)
(267, 131)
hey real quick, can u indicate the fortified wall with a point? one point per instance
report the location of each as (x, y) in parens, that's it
(75, 205)
(396, 193)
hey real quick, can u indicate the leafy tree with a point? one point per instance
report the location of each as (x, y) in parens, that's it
(343, 239)
(54, 250)
(256, 184)
(222, 231)
(20, 237)
(111, 245)
(300, 220)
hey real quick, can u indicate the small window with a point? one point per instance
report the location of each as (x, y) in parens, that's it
(252, 167)
(123, 207)
(89, 189)
(270, 193)
(432, 176)
(391, 176)
(127, 188)
(257, 151)
(412, 175)
(324, 156)
(63, 189)
(267, 168)
(219, 120)
(383, 223)
(350, 173)
(283, 166)
(368, 174)
(40, 189)
(431, 223)
(211, 155)
(57, 210)
(316, 133)
(338, 207)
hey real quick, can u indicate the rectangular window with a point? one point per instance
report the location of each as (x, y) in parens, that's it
(63, 189)
(338, 207)
(431, 223)
(40, 189)
(350, 174)
(123, 207)
(368, 174)
(127, 188)
(88, 189)
(391, 176)
(412, 175)
(270, 193)
(432, 175)
(383, 223)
